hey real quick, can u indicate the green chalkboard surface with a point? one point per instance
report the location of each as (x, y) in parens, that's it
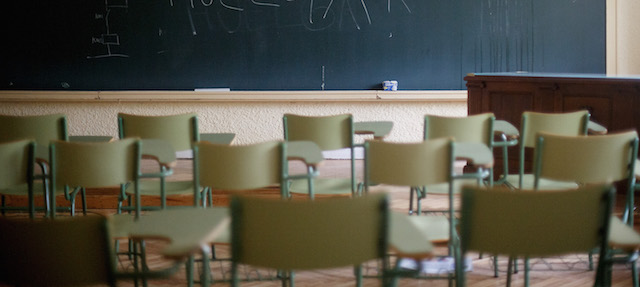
(292, 44)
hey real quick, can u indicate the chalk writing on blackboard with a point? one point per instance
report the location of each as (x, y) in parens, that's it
(403, 3)
(320, 15)
(109, 40)
(364, 7)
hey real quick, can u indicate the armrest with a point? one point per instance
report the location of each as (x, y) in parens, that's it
(407, 239)
(187, 230)
(379, 129)
(623, 236)
(306, 151)
(160, 151)
(477, 153)
(507, 131)
(596, 128)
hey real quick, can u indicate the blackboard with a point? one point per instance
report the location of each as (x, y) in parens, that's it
(292, 44)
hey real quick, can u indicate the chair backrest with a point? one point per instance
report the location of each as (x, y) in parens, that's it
(239, 167)
(409, 164)
(16, 163)
(17, 160)
(527, 223)
(328, 132)
(570, 124)
(64, 252)
(586, 159)
(298, 235)
(42, 129)
(103, 164)
(474, 128)
(181, 131)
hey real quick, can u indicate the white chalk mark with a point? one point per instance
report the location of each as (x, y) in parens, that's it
(223, 22)
(366, 11)
(325, 14)
(327, 10)
(322, 86)
(108, 56)
(403, 3)
(330, 5)
(406, 6)
(311, 12)
(230, 7)
(353, 17)
(193, 26)
(265, 3)
(108, 38)
(390, 34)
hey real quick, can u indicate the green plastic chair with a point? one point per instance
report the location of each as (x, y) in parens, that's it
(306, 235)
(470, 129)
(417, 164)
(64, 252)
(500, 221)
(42, 129)
(72, 251)
(180, 131)
(329, 133)
(570, 124)
(588, 160)
(17, 166)
(77, 166)
(240, 169)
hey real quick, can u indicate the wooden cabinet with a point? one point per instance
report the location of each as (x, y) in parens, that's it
(613, 101)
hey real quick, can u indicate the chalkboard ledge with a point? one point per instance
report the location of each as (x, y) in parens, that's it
(234, 96)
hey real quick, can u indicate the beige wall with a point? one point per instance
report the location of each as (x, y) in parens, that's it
(252, 121)
(623, 37)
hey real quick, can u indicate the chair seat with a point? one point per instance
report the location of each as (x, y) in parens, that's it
(323, 186)
(152, 188)
(225, 235)
(443, 188)
(545, 184)
(623, 236)
(407, 237)
(434, 227)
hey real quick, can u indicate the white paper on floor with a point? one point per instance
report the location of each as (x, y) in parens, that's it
(437, 265)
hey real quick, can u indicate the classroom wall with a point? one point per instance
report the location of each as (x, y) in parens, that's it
(623, 37)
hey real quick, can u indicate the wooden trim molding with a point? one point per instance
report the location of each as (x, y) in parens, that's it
(234, 96)
(612, 37)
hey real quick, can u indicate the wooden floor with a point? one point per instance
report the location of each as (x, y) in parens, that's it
(571, 270)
